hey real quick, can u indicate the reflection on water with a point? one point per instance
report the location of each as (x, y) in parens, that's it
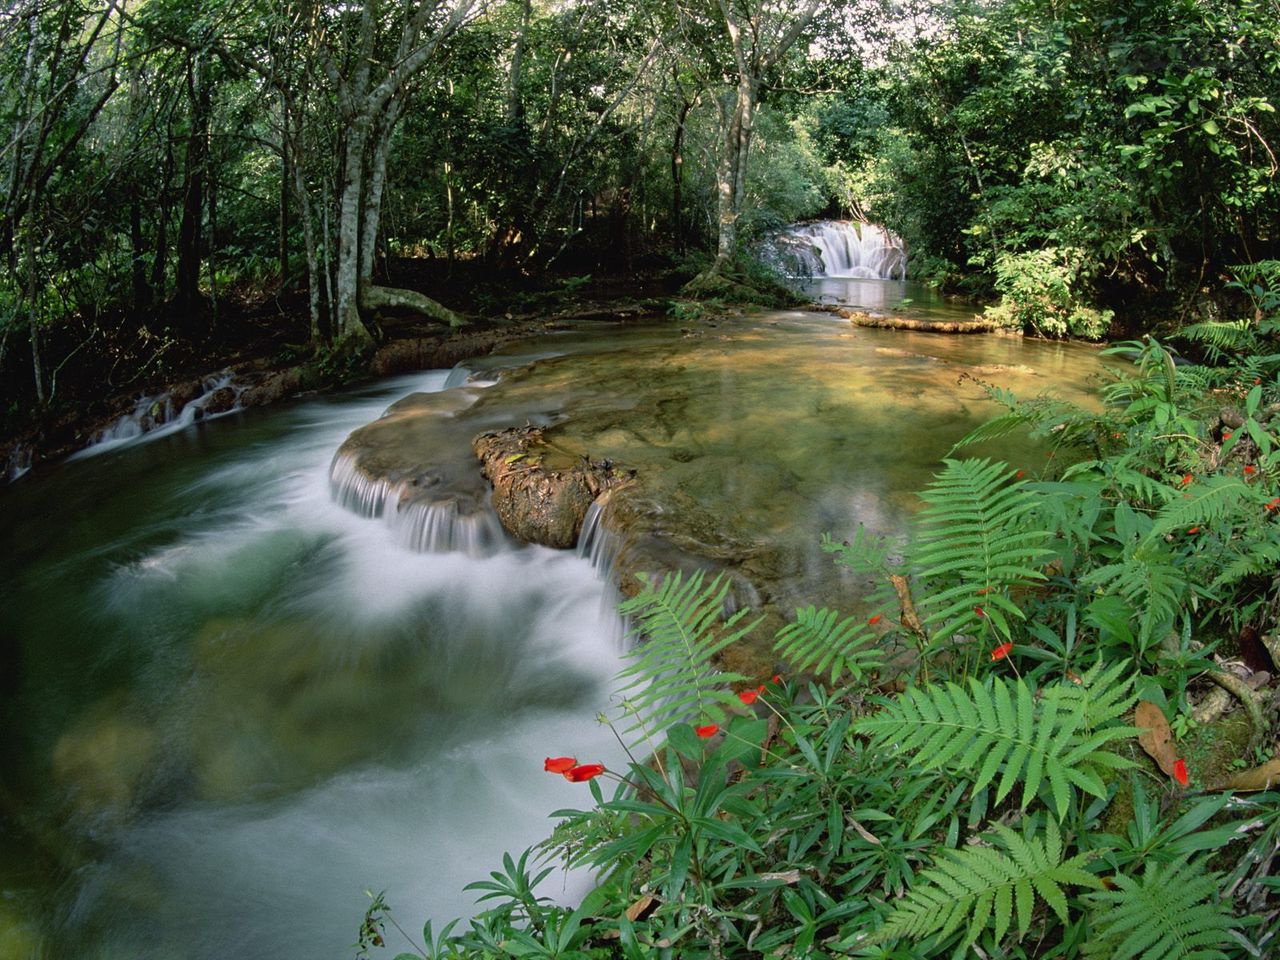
(230, 704)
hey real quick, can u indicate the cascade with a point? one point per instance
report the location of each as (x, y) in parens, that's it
(837, 248)
(159, 414)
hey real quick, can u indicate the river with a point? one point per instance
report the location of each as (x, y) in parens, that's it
(231, 706)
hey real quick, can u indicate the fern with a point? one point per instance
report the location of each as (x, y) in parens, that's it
(1006, 729)
(1212, 500)
(1150, 584)
(1170, 913)
(981, 885)
(975, 542)
(816, 642)
(671, 676)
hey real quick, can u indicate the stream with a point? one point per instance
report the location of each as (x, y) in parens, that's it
(232, 705)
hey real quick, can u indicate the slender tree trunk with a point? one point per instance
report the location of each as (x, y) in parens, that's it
(197, 160)
(677, 178)
(350, 328)
(141, 289)
(33, 313)
(286, 184)
(313, 264)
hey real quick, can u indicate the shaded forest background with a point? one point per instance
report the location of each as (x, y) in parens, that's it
(180, 181)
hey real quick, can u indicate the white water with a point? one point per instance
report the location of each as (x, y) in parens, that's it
(421, 690)
(153, 416)
(838, 248)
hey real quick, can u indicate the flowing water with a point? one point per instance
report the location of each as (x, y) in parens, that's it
(231, 704)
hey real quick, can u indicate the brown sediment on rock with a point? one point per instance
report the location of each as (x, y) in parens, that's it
(540, 493)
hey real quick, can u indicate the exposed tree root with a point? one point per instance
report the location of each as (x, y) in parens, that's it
(394, 298)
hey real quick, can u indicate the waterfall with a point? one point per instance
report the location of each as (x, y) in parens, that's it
(837, 248)
(163, 413)
(452, 522)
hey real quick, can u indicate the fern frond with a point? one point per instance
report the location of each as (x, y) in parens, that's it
(816, 642)
(1229, 335)
(1102, 697)
(1171, 913)
(974, 539)
(1260, 556)
(1003, 728)
(1148, 581)
(1210, 502)
(984, 886)
(670, 676)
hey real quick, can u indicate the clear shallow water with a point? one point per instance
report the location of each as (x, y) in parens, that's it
(230, 705)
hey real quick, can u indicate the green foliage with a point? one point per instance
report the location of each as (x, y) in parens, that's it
(671, 675)
(1041, 739)
(1171, 912)
(981, 885)
(1041, 293)
(819, 640)
(974, 546)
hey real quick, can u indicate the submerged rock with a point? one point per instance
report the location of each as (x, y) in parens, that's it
(540, 494)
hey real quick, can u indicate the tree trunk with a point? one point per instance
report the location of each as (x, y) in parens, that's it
(351, 331)
(677, 178)
(141, 289)
(286, 184)
(33, 314)
(196, 165)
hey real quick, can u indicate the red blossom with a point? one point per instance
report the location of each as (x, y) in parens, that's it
(777, 678)
(1193, 530)
(710, 730)
(559, 764)
(1250, 470)
(584, 772)
(1002, 651)
(874, 620)
(1180, 772)
(1020, 474)
(1271, 504)
(1186, 479)
(979, 611)
(748, 696)
(1226, 434)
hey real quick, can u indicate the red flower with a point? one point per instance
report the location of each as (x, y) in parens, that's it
(559, 764)
(748, 696)
(1186, 479)
(1256, 381)
(710, 730)
(1250, 470)
(1180, 772)
(979, 611)
(1193, 530)
(874, 620)
(777, 678)
(1271, 504)
(1020, 474)
(1226, 434)
(584, 772)
(1002, 651)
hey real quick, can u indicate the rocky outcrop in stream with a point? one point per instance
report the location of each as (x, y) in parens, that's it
(541, 494)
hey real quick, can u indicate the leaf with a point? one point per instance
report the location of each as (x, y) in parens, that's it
(1259, 778)
(1157, 737)
(515, 458)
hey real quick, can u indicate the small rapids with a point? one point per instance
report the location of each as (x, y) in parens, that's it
(267, 700)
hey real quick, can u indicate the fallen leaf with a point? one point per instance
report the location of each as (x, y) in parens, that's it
(1156, 737)
(642, 908)
(1259, 778)
(786, 876)
(515, 458)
